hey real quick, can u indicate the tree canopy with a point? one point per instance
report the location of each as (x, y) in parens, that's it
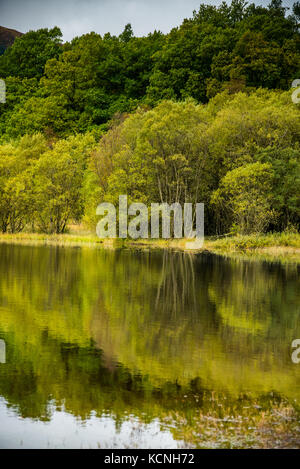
(199, 114)
(89, 79)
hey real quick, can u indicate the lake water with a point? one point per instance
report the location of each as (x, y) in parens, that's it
(122, 348)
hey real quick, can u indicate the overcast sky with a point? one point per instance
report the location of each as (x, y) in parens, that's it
(76, 17)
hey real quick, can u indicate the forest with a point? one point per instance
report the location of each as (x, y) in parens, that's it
(201, 114)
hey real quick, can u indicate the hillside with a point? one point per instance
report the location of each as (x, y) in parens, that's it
(7, 37)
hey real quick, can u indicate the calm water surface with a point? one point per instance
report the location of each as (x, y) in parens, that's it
(117, 349)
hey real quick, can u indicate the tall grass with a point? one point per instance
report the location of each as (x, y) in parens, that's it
(255, 241)
(275, 243)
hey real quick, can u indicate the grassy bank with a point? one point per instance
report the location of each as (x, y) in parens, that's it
(273, 245)
(50, 239)
(261, 241)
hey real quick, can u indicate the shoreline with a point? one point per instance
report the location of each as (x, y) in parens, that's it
(277, 246)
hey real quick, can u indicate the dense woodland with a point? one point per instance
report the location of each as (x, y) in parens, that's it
(202, 114)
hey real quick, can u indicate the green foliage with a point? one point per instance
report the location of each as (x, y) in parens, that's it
(30, 52)
(229, 154)
(178, 116)
(286, 184)
(47, 115)
(239, 155)
(254, 46)
(88, 80)
(16, 208)
(42, 184)
(18, 91)
(244, 198)
(97, 77)
(296, 10)
(58, 180)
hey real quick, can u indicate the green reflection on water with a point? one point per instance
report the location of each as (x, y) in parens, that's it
(143, 333)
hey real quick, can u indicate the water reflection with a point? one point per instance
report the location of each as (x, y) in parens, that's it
(65, 431)
(139, 335)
